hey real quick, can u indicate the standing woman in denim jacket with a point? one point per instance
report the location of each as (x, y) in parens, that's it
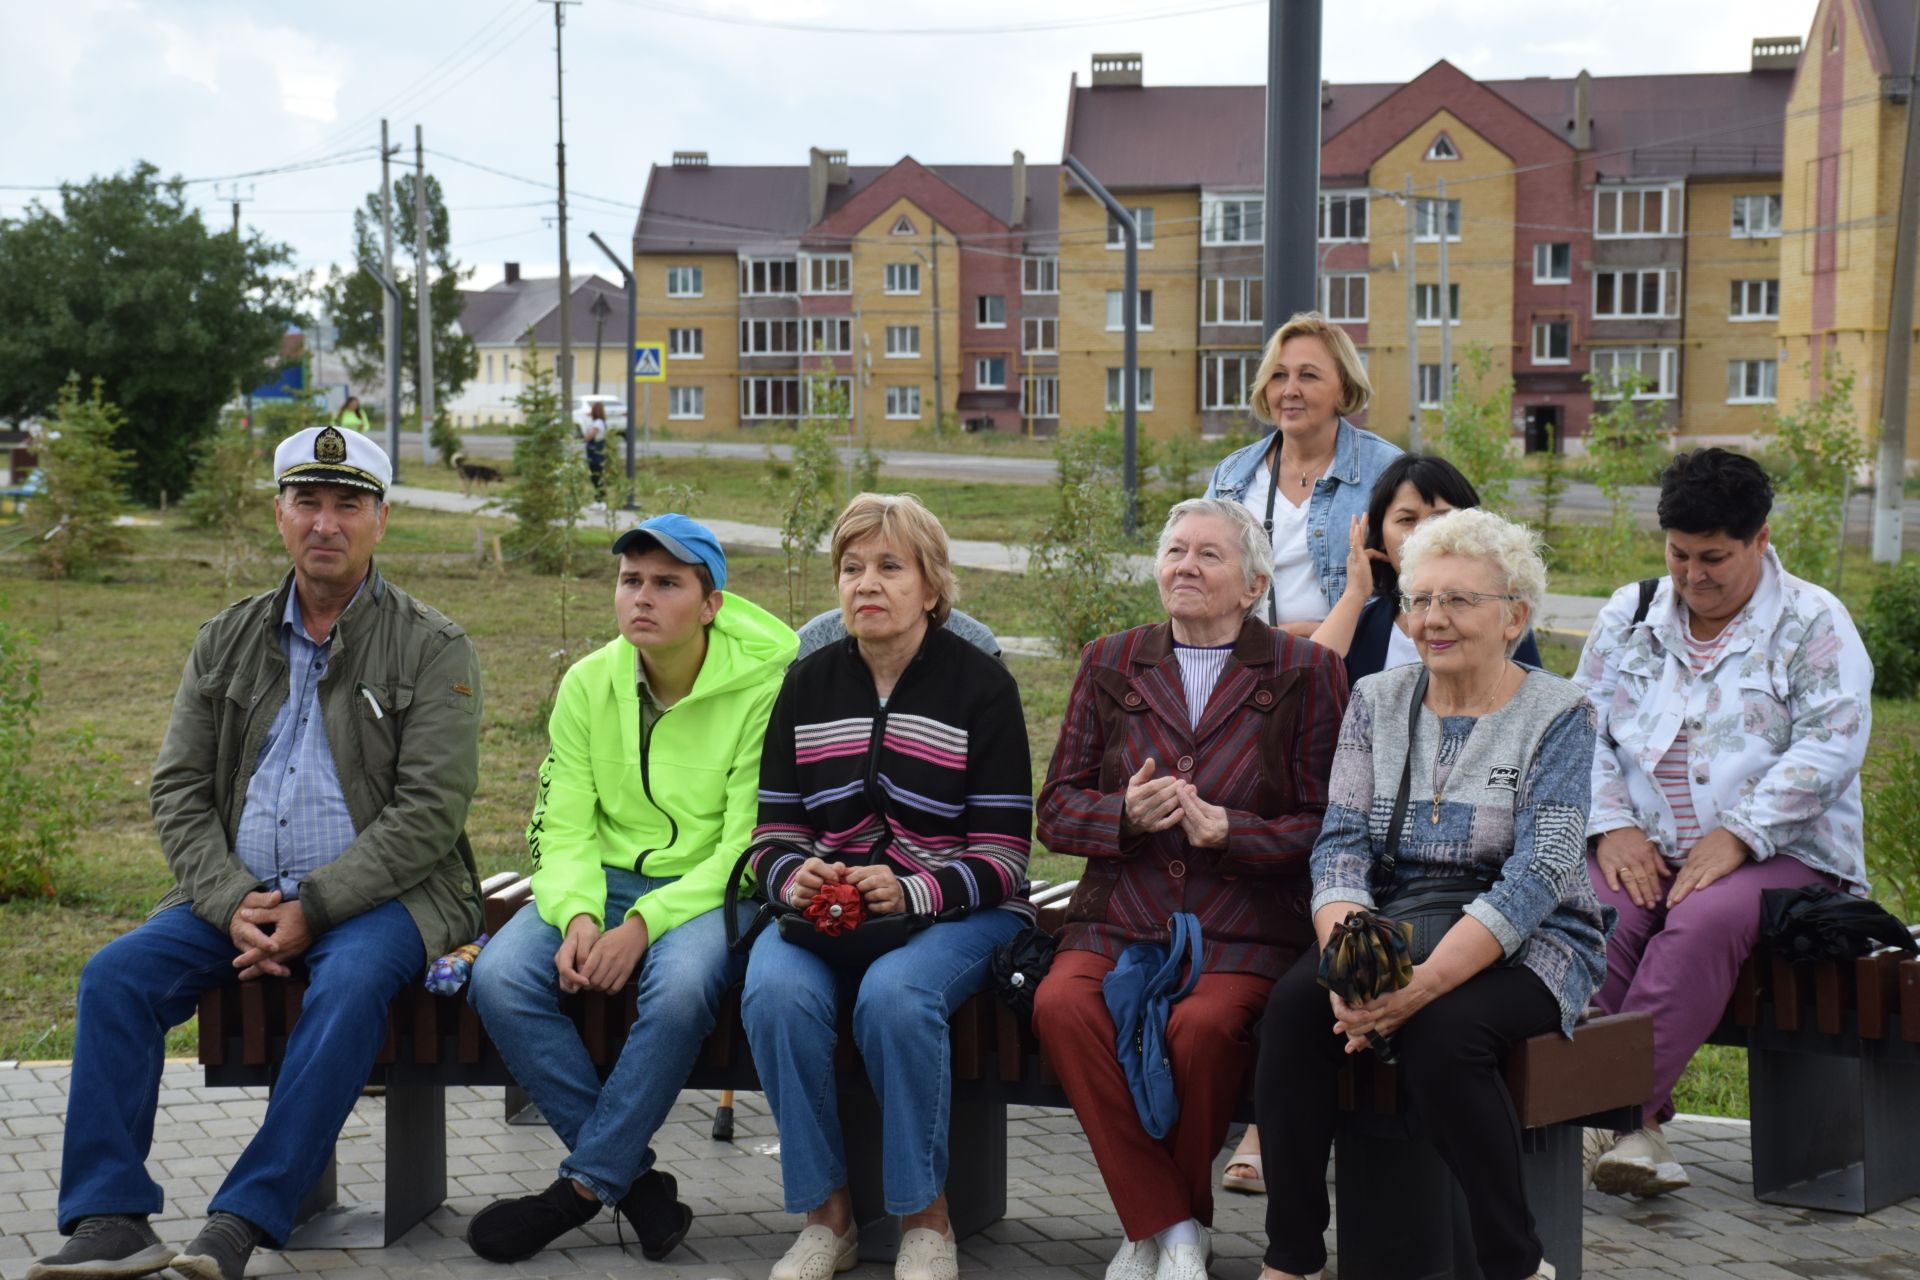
(1309, 479)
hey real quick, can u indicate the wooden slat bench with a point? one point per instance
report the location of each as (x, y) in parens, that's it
(1833, 1078)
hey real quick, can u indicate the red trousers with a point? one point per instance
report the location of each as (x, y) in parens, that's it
(1154, 1183)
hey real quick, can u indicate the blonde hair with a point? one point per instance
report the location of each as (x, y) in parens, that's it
(1355, 389)
(903, 521)
(1512, 549)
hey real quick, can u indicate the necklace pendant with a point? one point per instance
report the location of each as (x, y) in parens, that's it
(1434, 813)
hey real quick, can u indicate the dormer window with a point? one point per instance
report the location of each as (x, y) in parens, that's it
(1442, 148)
(902, 226)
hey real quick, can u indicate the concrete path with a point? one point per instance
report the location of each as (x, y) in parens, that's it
(1059, 1225)
(1568, 616)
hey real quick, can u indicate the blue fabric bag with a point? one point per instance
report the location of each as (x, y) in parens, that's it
(1140, 992)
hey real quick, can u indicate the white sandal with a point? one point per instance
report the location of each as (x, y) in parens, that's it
(1254, 1186)
(818, 1253)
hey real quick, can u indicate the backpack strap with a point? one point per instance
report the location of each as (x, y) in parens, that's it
(1647, 588)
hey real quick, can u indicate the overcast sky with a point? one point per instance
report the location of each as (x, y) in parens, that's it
(205, 88)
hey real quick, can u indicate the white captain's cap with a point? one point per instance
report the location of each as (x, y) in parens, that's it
(328, 455)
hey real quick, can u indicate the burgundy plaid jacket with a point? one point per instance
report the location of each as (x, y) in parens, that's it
(1262, 751)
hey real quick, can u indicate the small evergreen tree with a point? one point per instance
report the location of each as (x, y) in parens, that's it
(1624, 447)
(551, 483)
(1813, 450)
(1476, 425)
(227, 498)
(83, 475)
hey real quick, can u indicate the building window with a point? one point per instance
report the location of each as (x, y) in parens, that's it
(1756, 216)
(1143, 218)
(834, 397)
(1117, 314)
(990, 311)
(903, 340)
(769, 397)
(830, 335)
(902, 226)
(686, 282)
(1756, 300)
(1040, 275)
(1551, 341)
(1426, 220)
(686, 344)
(769, 337)
(1226, 379)
(1230, 300)
(903, 277)
(1343, 215)
(1232, 220)
(1553, 263)
(769, 277)
(1442, 148)
(1750, 381)
(1343, 296)
(1627, 212)
(686, 402)
(1040, 335)
(1433, 393)
(1143, 393)
(1628, 295)
(903, 402)
(829, 272)
(1040, 396)
(1659, 365)
(489, 366)
(1426, 303)
(990, 373)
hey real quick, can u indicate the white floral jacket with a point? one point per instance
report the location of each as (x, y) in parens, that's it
(1776, 730)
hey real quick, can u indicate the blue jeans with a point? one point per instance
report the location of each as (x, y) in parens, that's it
(143, 983)
(607, 1128)
(900, 1010)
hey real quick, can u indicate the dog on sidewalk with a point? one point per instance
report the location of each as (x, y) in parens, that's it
(474, 474)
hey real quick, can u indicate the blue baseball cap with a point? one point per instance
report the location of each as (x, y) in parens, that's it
(683, 538)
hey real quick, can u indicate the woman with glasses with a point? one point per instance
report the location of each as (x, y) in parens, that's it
(1490, 760)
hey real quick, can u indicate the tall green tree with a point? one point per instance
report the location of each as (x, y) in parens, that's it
(356, 300)
(125, 283)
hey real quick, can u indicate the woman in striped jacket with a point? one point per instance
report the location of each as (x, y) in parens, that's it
(896, 762)
(1191, 774)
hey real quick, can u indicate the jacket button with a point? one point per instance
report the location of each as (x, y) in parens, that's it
(1264, 698)
(1184, 764)
(1177, 869)
(1132, 699)
(1700, 778)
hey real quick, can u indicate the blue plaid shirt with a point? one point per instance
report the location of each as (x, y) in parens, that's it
(295, 818)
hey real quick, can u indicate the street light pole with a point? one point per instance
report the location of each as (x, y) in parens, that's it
(633, 302)
(1292, 204)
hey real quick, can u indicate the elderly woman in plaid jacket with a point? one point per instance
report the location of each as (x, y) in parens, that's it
(1191, 773)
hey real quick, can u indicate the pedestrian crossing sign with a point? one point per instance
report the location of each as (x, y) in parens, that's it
(649, 362)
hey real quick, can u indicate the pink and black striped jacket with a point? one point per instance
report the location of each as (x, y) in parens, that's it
(1262, 751)
(943, 767)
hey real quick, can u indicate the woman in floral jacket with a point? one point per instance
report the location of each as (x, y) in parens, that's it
(1734, 705)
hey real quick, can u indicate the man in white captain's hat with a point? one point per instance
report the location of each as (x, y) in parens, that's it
(310, 798)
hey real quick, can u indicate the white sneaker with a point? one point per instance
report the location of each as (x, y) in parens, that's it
(1640, 1164)
(1186, 1261)
(817, 1253)
(1594, 1143)
(1137, 1260)
(926, 1255)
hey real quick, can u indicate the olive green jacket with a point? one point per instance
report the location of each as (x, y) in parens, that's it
(408, 773)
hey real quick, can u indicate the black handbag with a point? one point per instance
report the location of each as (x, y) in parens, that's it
(851, 949)
(1816, 923)
(1019, 964)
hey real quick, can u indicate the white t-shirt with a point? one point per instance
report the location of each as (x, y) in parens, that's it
(1296, 595)
(1400, 649)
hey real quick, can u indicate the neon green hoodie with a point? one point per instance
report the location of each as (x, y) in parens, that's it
(688, 808)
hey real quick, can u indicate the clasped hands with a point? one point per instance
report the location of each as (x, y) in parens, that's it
(1160, 804)
(589, 960)
(268, 933)
(879, 889)
(1381, 1016)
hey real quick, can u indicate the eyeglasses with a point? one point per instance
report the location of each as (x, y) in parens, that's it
(1447, 601)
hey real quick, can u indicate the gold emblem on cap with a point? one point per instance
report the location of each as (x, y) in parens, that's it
(330, 446)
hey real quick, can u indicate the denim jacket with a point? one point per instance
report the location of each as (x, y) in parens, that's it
(1776, 729)
(1359, 456)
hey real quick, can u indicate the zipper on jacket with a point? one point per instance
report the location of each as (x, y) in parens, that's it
(646, 786)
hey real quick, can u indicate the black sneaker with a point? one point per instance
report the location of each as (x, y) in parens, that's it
(220, 1251)
(108, 1246)
(511, 1230)
(657, 1217)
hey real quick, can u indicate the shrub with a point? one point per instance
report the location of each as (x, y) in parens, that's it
(444, 438)
(73, 518)
(1624, 446)
(45, 802)
(1080, 553)
(1891, 629)
(227, 496)
(1891, 790)
(1552, 486)
(804, 489)
(1814, 450)
(1476, 425)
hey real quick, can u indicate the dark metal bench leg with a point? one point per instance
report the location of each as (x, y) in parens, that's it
(416, 1185)
(521, 1108)
(1830, 1131)
(1377, 1178)
(1550, 1164)
(976, 1167)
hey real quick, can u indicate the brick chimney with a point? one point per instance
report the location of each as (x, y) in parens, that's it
(1583, 111)
(513, 273)
(1019, 202)
(825, 170)
(1118, 70)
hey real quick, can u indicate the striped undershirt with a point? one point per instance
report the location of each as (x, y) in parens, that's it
(1671, 774)
(1200, 668)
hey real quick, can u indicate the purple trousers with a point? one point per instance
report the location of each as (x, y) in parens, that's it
(1678, 965)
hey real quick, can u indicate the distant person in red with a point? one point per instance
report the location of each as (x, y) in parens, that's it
(595, 434)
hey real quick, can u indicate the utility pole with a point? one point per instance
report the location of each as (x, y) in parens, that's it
(423, 294)
(1440, 212)
(390, 300)
(565, 359)
(1890, 484)
(1413, 331)
(236, 199)
(1292, 206)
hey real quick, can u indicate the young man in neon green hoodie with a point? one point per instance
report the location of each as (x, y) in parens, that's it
(648, 796)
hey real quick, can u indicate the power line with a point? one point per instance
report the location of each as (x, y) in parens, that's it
(351, 156)
(984, 29)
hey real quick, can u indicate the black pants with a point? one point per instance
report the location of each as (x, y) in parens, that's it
(1450, 1056)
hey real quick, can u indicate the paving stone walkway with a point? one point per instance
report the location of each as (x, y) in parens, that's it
(1059, 1225)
